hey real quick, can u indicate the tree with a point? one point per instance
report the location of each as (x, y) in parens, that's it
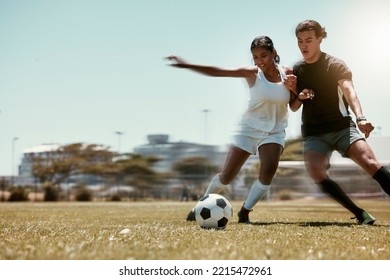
(136, 171)
(195, 169)
(293, 150)
(54, 168)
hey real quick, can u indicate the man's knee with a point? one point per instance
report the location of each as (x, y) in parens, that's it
(362, 154)
(316, 165)
(318, 175)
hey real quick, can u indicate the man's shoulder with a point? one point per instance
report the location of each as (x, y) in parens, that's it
(298, 65)
(332, 59)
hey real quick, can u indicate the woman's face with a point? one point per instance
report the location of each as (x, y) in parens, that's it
(263, 58)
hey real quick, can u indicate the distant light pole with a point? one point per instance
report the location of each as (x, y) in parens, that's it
(379, 130)
(13, 160)
(119, 133)
(205, 111)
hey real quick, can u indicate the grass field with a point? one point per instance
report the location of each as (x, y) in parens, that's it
(293, 230)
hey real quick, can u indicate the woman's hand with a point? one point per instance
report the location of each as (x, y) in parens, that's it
(290, 82)
(177, 61)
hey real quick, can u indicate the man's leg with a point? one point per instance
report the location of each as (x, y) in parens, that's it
(316, 164)
(361, 153)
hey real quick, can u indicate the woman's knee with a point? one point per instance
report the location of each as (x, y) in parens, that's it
(266, 180)
(226, 178)
(267, 173)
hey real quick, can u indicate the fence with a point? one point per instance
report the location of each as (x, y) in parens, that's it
(291, 182)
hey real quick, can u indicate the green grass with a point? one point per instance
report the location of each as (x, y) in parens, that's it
(298, 230)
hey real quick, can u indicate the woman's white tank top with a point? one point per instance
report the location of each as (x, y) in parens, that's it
(267, 108)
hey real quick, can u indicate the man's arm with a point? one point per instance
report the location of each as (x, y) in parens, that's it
(350, 95)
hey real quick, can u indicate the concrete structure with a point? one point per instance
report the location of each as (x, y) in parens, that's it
(42, 151)
(170, 152)
(291, 176)
(344, 171)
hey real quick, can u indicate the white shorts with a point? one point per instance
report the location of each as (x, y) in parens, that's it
(250, 140)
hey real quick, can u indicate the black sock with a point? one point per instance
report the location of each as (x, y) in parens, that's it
(334, 190)
(382, 176)
(244, 210)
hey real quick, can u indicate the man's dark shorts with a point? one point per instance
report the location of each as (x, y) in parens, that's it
(333, 141)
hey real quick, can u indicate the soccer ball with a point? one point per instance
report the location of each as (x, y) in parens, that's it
(213, 211)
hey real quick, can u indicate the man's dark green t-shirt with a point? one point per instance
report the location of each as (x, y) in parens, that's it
(328, 110)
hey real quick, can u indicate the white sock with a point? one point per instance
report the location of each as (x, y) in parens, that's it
(257, 191)
(215, 186)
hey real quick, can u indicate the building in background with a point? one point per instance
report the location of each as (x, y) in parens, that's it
(169, 153)
(291, 178)
(43, 151)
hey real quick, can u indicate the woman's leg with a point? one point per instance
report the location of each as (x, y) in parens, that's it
(269, 155)
(234, 161)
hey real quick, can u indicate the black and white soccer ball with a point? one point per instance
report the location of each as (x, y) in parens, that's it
(213, 211)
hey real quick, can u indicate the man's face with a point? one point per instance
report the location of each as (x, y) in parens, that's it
(309, 45)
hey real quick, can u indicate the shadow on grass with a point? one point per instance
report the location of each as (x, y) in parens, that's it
(339, 224)
(312, 224)
(326, 224)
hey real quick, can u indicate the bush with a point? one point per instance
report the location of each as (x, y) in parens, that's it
(18, 194)
(116, 197)
(284, 195)
(51, 193)
(83, 194)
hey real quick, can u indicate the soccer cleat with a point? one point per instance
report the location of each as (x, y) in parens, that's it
(191, 216)
(243, 215)
(365, 219)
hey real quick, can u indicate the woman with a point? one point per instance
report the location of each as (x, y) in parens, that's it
(262, 127)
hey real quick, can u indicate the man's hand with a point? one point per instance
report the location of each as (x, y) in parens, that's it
(365, 127)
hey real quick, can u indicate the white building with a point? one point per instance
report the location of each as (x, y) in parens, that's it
(170, 152)
(343, 170)
(42, 151)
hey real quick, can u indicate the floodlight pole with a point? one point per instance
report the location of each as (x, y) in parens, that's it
(13, 160)
(119, 133)
(205, 111)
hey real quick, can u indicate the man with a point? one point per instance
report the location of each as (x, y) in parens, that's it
(325, 88)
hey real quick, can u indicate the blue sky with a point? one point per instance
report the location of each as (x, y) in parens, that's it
(79, 70)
